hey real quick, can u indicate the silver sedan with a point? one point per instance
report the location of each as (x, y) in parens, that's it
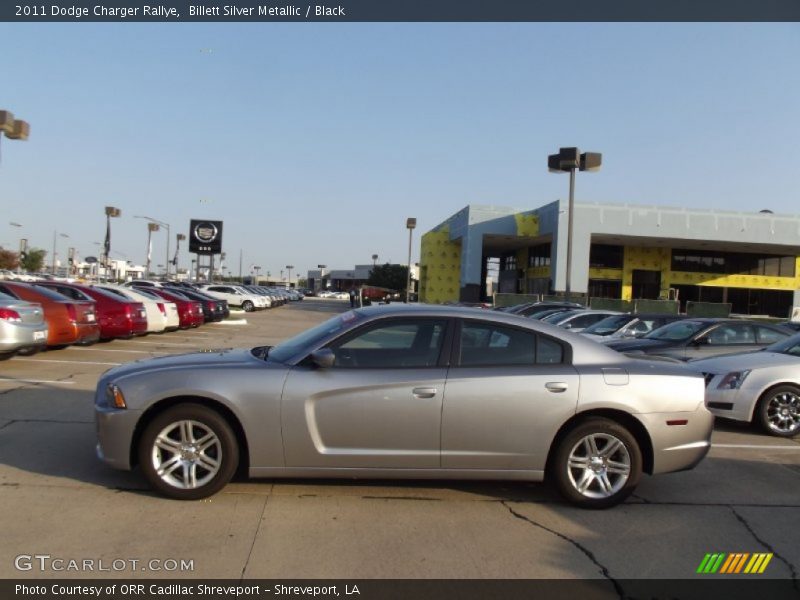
(22, 327)
(407, 392)
(761, 387)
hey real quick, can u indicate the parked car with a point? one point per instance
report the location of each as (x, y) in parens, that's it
(530, 309)
(22, 326)
(362, 395)
(162, 315)
(235, 296)
(629, 325)
(190, 312)
(118, 317)
(761, 387)
(68, 321)
(214, 309)
(579, 319)
(692, 338)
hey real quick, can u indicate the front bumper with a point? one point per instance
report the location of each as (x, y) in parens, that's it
(115, 428)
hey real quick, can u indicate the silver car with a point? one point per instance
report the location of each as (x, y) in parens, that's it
(761, 387)
(22, 327)
(407, 391)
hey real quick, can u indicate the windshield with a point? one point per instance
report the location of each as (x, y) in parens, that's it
(310, 337)
(609, 325)
(789, 346)
(677, 331)
(559, 316)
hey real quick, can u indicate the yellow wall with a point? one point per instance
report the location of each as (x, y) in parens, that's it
(648, 259)
(440, 267)
(527, 224)
(612, 274)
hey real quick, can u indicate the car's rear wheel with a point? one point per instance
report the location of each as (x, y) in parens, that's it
(188, 452)
(597, 464)
(247, 306)
(778, 411)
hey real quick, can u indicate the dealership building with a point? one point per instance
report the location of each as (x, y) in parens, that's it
(619, 251)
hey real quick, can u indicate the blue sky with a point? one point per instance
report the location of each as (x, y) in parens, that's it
(314, 142)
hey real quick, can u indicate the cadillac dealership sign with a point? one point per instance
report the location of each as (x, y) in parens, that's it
(205, 237)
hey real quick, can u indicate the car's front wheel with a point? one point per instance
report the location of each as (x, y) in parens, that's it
(188, 452)
(597, 464)
(778, 411)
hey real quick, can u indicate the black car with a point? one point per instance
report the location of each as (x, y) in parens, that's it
(214, 309)
(692, 338)
(532, 310)
(630, 325)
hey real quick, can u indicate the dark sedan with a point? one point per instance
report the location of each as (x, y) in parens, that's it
(214, 309)
(689, 339)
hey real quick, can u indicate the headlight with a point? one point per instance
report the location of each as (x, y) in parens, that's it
(733, 381)
(115, 397)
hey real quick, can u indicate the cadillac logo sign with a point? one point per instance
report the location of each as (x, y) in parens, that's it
(205, 237)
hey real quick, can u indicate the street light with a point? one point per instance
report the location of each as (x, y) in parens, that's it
(111, 211)
(178, 239)
(151, 227)
(256, 268)
(411, 223)
(289, 268)
(15, 129)
(55, 237)
(164, 225)
(568, 160)
(374, 260)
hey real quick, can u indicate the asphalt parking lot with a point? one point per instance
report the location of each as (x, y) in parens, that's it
(59, 500)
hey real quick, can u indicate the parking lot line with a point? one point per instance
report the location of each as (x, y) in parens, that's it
(68, 362)
(52, 381)
(756, 446)
(109, 350)
(163, 344)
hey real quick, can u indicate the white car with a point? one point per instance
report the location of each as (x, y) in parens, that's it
(761, 387)
(162, 315)
(236, 296)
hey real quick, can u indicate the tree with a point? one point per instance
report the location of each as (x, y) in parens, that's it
(34, 260)
(8, 259)
(389, 276)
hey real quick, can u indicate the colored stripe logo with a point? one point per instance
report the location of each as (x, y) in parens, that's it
(735, 563)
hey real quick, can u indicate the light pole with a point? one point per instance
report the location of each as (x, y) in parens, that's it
(289, 268)
(165, 226)
(55, 237)
(256, 268)
(178, 239)
(15, 129)
(23, 247)
(568, 160)
(151, 227)
(411, 223)
(111, 211)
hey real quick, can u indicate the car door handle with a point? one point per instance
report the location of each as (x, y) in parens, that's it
(556, 386)
(423, 392)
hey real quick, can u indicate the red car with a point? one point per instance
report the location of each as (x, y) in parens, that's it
(190, 311)
(68, 321)
(118, 318)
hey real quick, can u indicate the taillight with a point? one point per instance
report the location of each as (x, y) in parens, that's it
(161, 308)
(72, 312)
(10, 315)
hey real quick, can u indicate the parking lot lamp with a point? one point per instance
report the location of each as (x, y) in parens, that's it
(289, 268)
(411, 223)
(178, 239)
(111, 211)
(151, 227)
(55, 237)
(256, 268)
(14, 129)
(567, 161)
(374, 260)
(165, 226)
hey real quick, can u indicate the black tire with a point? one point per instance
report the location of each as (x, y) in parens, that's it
(247, 306)
(782, 399)
(568, 476)
(224, 449)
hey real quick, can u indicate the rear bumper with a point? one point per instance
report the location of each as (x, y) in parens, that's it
(679, 447)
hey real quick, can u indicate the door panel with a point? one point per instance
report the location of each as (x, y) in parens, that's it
(380, 418)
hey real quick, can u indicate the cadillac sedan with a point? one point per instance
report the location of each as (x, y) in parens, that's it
(761, 387)
(409, 392)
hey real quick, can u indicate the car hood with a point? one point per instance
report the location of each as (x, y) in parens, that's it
(642, 345)
(743, 361)
(204, 359)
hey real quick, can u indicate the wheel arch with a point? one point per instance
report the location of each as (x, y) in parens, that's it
(627, 420)
(159, 407)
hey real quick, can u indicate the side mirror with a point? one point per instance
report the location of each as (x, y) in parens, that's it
(323, 358)
(701, 341)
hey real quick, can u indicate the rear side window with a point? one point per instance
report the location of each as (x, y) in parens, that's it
(767, 335)
(489, 344)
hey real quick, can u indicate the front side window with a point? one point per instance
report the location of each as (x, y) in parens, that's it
(405, 343)
(490, 344)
